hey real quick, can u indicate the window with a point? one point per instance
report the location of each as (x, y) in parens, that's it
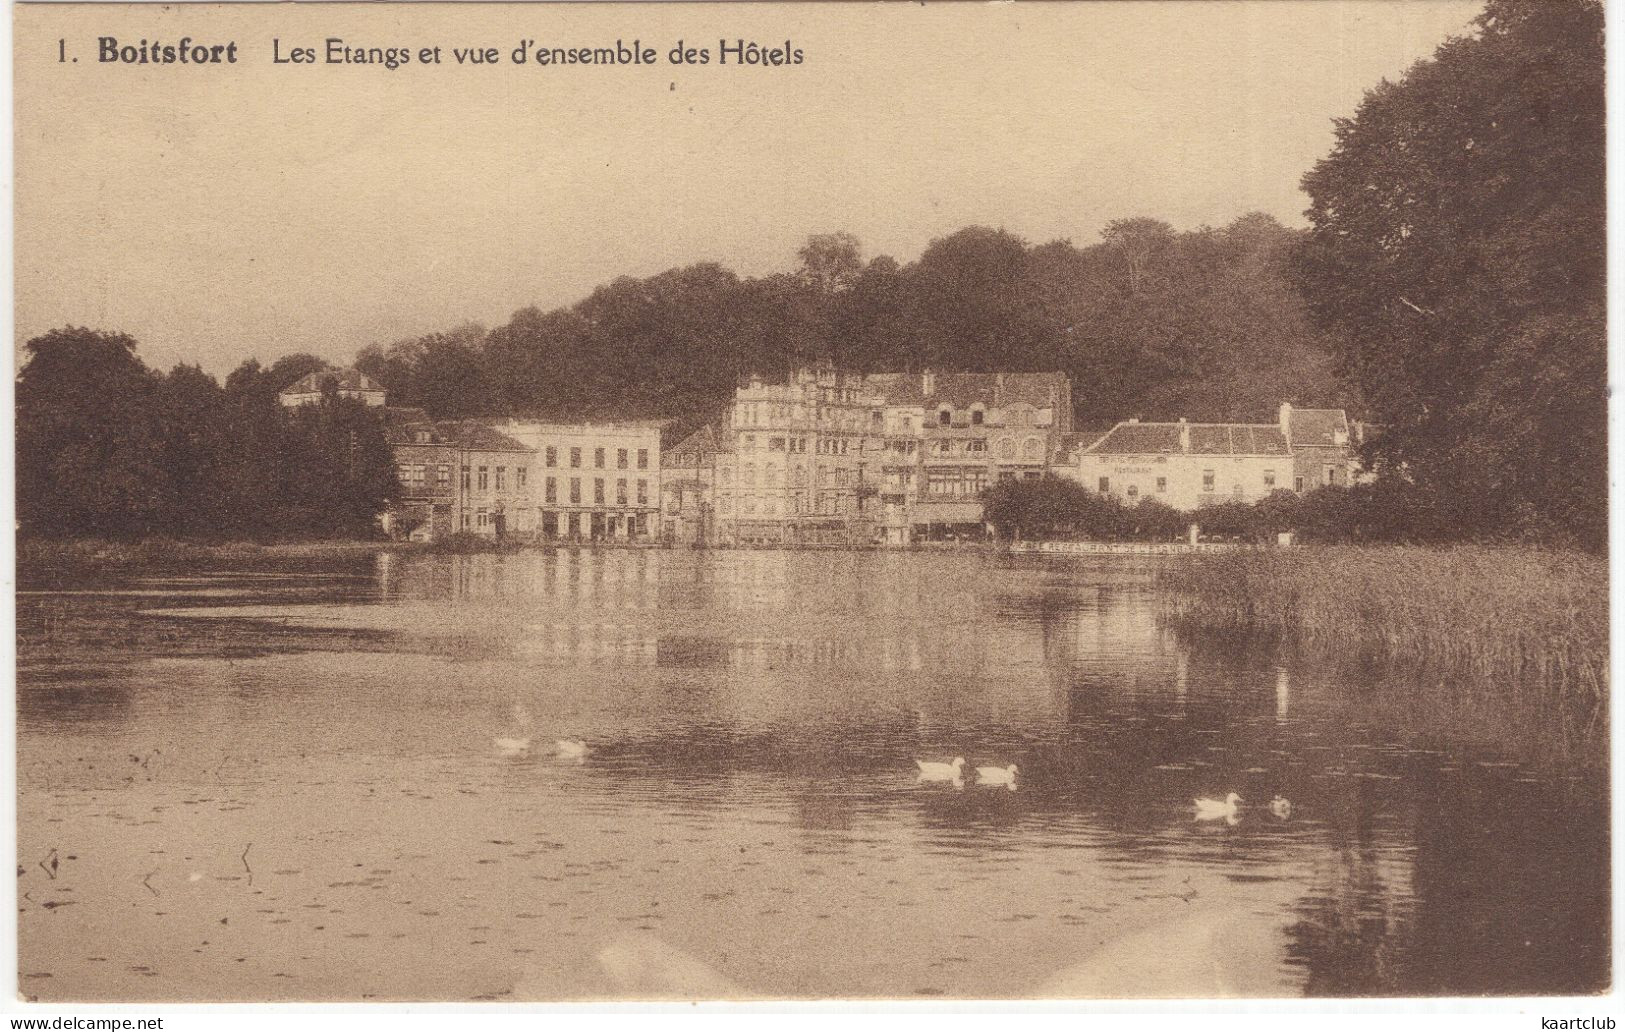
(485, 478)
(442, 476)
(775, 444)
(575, 458)
(1134, 490)
(552, 456)
(1237, 489)
(1162, 485)
(1207, 480)
(976, 417)
(465, 521)
(403, 472)
(1105, 485)
(1297, 483)
(944, 417)
(464, 482)
(598, 490)
(1030, 449)
(483, 519)
(643, 492)
(598, 458)
(976, 446)
(620, 458)
(1269, 479)
(620, 491)
(945, 447)
(643, 458)
(552, 490)
(502, 478)
(575, 490)
(520, 474)
(1331, 474)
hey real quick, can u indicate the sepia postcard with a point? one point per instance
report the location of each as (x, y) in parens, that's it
(806, 502)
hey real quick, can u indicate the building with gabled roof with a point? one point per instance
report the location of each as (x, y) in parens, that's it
(1188, 465)
(346, 383)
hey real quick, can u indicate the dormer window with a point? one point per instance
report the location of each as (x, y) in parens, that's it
(945, 417)
(976, 417)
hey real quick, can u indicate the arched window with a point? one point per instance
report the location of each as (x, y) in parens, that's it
(1007, 448)
(1029, 448)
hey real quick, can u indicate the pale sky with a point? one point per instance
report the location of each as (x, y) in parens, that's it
(217, 213)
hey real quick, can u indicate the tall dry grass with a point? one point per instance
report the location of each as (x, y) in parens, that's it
(1513, 617)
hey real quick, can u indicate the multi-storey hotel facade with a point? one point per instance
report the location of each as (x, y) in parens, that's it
(835, 457)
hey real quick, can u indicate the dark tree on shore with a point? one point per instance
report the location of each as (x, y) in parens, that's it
(1459, 241)
(108, 448)
(90, 450)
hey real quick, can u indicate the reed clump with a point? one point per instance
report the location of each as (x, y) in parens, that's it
(1512, 617)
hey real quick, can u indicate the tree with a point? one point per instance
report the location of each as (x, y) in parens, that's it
(830, 262)
(1458, 240)
(90, 450)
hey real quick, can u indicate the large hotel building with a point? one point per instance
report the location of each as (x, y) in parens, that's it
(826, 457)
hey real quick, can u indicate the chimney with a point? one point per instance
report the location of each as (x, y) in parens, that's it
(1286, 417)
(928, 383)
(1184, 436)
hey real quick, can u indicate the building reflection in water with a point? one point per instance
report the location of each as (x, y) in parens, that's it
(810, 682)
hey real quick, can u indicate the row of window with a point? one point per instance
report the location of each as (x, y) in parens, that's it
(1209, 482)
(817, 503)
(575, 524)
(550, 491)
(599, 456)
(416, 475)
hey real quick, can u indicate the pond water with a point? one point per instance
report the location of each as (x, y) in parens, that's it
(286, 783)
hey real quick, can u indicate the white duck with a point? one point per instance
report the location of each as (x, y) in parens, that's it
(570, 749)
(1213, 809)
(1281, 807)
(953, 772)
(511, 746)
(994, 777)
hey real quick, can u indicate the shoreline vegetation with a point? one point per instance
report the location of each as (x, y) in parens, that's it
(1508, 638)
(1513, 624)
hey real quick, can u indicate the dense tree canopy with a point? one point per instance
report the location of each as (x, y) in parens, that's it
(109, 448)
(1148, 322)
(1458, 245)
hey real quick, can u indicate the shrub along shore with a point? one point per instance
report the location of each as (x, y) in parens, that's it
(1506, 619)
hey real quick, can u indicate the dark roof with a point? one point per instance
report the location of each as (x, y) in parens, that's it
(702, 443)
(1205, 439)
(1069, 446)
(343, 379)
(405, 414)
(399, 432)
(471, 435)
(962, 390)
(1311, 427)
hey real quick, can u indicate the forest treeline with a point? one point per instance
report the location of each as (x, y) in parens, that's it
(1450, 289)
(1147, 322)
(107, 447)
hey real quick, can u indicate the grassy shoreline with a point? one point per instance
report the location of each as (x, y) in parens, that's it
(1505, 619)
